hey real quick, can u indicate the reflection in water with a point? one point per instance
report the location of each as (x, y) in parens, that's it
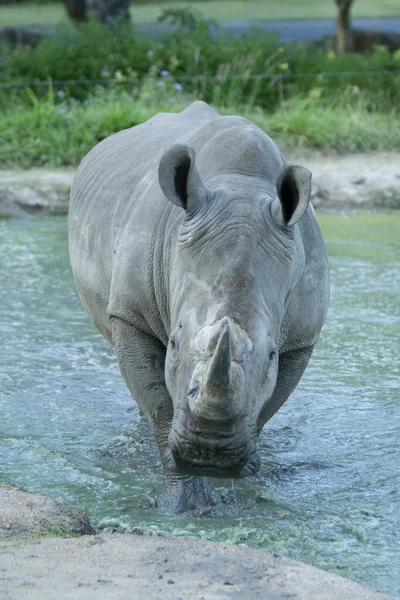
(328, 491)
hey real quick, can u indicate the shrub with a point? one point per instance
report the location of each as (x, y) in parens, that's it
(247, 71)
(56, 131)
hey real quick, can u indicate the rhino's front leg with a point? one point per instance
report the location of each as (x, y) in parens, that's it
(141, 358)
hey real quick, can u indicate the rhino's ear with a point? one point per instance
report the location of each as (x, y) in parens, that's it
(293, 185)
(179, 178)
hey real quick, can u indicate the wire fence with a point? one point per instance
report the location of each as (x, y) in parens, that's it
(245, 77)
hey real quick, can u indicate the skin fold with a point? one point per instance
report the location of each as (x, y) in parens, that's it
(197, 254)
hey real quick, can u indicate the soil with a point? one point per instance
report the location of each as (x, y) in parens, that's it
(121, 566)
(24, 515)
(354, 180)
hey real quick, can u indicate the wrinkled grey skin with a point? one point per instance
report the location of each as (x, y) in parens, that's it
(196, 253)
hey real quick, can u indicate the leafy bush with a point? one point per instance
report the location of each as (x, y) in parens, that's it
(95, 52)
(23, 1)
(208, 62)
(58, 131)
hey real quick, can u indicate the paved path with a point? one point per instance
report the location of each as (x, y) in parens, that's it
(290, 31)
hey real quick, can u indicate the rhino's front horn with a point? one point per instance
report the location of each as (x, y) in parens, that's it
(218, 400)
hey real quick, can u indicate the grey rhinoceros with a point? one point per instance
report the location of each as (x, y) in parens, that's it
(197, 254)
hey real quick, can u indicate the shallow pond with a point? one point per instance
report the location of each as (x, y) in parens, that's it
(328, 492)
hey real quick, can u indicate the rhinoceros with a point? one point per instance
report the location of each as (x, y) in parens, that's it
(197, 254)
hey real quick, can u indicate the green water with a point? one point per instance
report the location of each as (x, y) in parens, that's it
(328, 492)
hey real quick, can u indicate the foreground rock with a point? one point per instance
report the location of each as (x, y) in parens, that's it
(35, 191)
(129, 566)
(24, 515)
(355, 180)
(123, 566)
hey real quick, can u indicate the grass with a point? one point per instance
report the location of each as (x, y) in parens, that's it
(341, 126)
(44, 133)
(221, 10)
(56, 135)
(371, 227)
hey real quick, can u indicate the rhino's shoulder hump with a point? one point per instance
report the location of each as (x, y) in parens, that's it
(195, 113)
(154, 135)
(200, 109)
(234, 144)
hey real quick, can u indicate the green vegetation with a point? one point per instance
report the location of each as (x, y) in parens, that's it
(220, 10)
(46, 15)
(81, 86)
(45, 133)
(249, 71)
(57, 528)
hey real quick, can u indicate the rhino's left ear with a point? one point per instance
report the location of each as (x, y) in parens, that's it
(293, 185)
(179, 178)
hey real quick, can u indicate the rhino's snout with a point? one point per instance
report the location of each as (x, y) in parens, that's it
(216, 394)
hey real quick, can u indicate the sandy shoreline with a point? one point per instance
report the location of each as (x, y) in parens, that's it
(121, 566)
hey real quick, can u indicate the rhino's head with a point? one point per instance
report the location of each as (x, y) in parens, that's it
(234, 264)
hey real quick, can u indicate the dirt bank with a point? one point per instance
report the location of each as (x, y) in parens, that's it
(122, 566)
(355, 180)
(24, 515)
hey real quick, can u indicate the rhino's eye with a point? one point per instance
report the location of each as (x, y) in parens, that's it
(173, 342)
(272, 355)
(173, 353)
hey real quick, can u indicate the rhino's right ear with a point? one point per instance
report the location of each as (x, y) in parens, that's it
(179, 178)
(293, 185)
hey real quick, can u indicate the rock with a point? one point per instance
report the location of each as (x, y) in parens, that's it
(319, 194)
(34, 191)
(25, 515)
(353, 180)
(358, 181)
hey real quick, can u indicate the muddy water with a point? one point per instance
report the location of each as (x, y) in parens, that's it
(328, 492)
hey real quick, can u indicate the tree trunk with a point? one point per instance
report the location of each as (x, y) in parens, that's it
(104, 10)
(76, 10)
(343, 38)
(108, 10)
